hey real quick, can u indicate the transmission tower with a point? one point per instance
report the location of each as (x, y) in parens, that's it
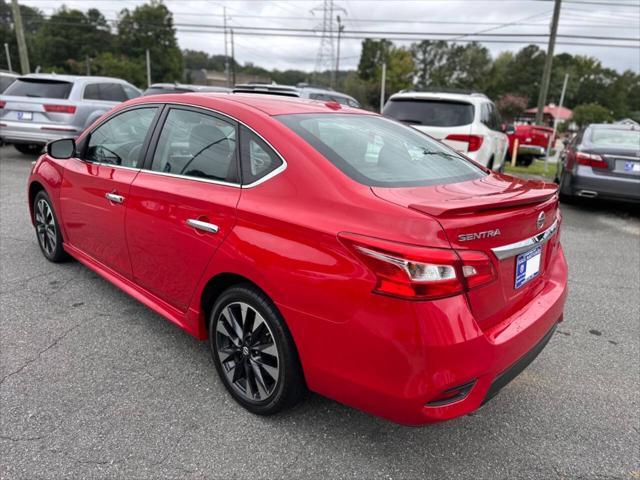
(326, 59)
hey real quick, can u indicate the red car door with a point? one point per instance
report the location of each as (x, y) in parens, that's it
(94, 190)
(183, 205)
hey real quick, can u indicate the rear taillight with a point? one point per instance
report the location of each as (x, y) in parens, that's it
(474, 141)
(591, 160)
(2, 104)
(60, 108)
(419, 273)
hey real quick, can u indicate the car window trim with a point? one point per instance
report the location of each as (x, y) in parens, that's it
(146, 164)
(145, 145)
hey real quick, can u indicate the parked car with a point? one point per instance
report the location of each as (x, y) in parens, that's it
(470, 123)
(6, 79)
(160, 88)
(38, 108)
(603, 161)
(302, 90)
(533, 141)
(314, 246)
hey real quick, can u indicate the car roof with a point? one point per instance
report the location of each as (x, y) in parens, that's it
(71, 78)
(265, 103)
(460, 97)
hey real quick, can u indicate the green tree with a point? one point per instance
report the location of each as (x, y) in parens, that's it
(591, 113)
(69, 36)
(431, 59)
(150, 26)
(32, 20)
(511, 105)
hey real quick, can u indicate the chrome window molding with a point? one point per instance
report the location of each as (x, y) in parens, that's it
(196, 179)
(267, 177)
(513, 249)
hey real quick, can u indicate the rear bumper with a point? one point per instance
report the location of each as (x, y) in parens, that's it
(35, 133)
(584, 182)
(403, 368)
(533, 150)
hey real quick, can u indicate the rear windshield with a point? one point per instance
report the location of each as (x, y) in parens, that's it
(159, 90)
(379, 152)
(606, 137)
(28, 87)
(433, 113)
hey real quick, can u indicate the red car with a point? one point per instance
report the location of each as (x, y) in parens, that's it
(315, 246)
(533, 141)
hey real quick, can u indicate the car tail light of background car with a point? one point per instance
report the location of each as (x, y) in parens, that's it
(591, 160)
(60, 108)
(420, 273)
(474, 141)
(2, 104)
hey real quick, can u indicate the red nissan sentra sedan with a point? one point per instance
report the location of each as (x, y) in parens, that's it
(315, 246)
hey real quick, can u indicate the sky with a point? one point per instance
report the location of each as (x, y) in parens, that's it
(199, 26)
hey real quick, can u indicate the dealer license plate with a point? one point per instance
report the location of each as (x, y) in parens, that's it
(527, 266)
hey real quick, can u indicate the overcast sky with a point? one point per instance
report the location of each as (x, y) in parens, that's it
(603, 18)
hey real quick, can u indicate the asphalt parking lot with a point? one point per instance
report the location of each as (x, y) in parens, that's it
(95, 385)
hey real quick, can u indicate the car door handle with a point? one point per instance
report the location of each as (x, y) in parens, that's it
(112, 197)
(204, 226)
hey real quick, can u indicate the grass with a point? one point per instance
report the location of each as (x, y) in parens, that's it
(536, 168)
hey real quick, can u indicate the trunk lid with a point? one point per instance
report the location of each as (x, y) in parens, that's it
(484, 214)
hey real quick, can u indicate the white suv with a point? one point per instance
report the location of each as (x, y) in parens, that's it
(470, 123)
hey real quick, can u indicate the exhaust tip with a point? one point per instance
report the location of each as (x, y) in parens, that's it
(587, 193)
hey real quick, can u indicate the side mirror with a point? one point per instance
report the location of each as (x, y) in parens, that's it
(509, 129)
(62, 149)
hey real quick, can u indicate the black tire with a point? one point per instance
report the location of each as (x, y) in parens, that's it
(257, 388)
(28, 148)
(524, 161)
(48, 229)
(565, 191)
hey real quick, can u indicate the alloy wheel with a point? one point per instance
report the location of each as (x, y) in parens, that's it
(247, 351)
(46, 227)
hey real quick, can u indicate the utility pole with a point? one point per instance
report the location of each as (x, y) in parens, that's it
(546, 74)
(6, 51)
(233, 59)
(325, 60)
(148, 68)
(340, 29)
(22, 43)
(226, 57)
(383, 85)
(555, 120)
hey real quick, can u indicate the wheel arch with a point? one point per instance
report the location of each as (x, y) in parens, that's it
(34, 188)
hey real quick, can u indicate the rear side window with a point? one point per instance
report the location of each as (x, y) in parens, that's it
(490, 117)
(258, 159)
(379, 152)
(433, 113)
(196, 144)
(44, 88)
(109, 92)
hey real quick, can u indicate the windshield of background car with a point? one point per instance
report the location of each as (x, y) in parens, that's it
(428, 112)
(39, 87)
(609, 137)
(379, 152)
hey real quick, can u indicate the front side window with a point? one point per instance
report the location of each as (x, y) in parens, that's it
(258, 159)
(119, 140)
(379, 152)
(196, 144)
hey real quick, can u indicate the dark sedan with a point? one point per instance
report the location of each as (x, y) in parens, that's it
(602, 161)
